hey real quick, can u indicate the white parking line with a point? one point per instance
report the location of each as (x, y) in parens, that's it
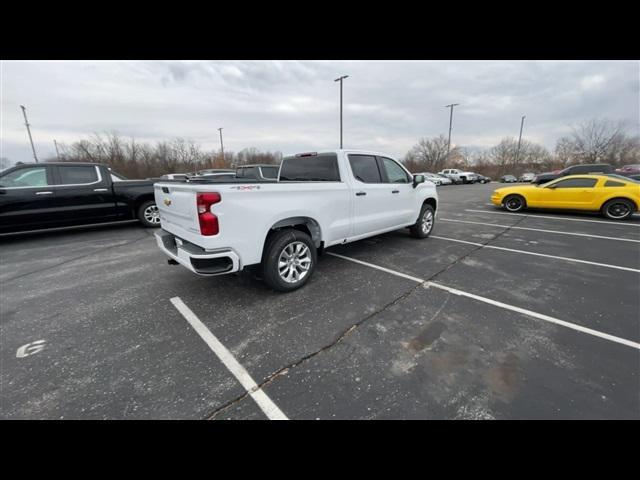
(506, 306)
(566, 259)
(269, 408)
(540, 230)
(624, 224)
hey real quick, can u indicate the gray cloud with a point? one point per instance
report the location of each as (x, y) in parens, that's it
(293, 106)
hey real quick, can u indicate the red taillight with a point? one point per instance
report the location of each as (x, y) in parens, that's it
(208, 221)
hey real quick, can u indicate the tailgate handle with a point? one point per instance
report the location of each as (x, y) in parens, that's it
(360, 194)
(395, 191)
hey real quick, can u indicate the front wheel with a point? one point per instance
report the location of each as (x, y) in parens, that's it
(424, 225)
(514, 203)
(618, 209)
(289, 260)
(148, 214)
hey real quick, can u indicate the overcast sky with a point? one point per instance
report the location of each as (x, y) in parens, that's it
(293, 106)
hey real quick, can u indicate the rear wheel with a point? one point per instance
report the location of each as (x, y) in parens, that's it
(148, 214)
(289, 260)
(618, 209)
(514, 203)
(423, 226)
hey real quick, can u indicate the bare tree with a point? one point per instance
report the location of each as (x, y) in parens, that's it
(430, 155)
(596, 140)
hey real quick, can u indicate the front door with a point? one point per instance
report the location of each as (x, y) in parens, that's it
(27, 199)
(569, 193)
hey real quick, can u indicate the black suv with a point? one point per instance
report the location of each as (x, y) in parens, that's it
(584, 169)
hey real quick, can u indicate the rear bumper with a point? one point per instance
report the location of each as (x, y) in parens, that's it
(196, 259)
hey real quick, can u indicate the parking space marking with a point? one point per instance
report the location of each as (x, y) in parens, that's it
(626, 224)
(269, 408)
(506, 306)
(541, 230)
(567, 259)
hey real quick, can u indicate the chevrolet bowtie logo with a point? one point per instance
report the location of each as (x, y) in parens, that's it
(167, 202)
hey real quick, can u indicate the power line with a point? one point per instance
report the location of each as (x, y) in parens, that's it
(450, 125)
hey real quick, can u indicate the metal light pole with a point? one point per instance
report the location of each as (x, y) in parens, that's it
(340, 79)
(221, 144)
(520, 138)
(57, 152)
(26, 122)
(450, 125)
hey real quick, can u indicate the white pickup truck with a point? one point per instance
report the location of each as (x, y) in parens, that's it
(320, 199)
(458, 176)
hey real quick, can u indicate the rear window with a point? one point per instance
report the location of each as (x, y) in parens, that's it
(270, 172)
(613, 183)
(77, 175)
(317, 168)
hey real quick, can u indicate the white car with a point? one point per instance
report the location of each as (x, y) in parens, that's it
(433, 178)
(459, 176)
(218, 226)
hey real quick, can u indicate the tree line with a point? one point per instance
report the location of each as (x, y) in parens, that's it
(593, 141)
(135, 159)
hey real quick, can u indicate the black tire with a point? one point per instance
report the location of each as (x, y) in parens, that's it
(514, 203)
(148, 214)
(618, 209)
(275, 248)
(423, 228)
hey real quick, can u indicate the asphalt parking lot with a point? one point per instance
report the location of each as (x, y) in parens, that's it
(496, 316)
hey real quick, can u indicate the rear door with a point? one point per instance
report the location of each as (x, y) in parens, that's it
(27, 198)
(84, 194)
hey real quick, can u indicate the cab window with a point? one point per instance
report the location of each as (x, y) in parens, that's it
(25, 177)
(365, 168)
(395, 173)
(74, 175)
(576, 183)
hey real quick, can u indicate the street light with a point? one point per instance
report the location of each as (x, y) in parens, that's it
(520, 139)
(340, 79)
(26, 122)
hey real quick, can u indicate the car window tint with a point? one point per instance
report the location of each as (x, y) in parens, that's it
(576, 183)
(25, 177)
(365, 168)
(612, 183)
(270, 172)
(315, 168)
(77, 175)
(395, 173)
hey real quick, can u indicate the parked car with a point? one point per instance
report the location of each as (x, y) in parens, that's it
(483, 179)
(584, 169)
(432, 177)
(258, 171)
(320, 199)
(508, 179)
(443, 179)
(616, 198)
(36, 196)
(458, 176)
(629, 169)
(175, 176)
(210, 171)
(527, 177)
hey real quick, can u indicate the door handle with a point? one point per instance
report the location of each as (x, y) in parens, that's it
(100, 189)
(395, 191)
(360, 194)
(44, 193)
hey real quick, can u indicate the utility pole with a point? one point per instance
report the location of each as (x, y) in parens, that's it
(450, 125)
(221, 144)
(57, 152)
(26, 122)
(340, 79)
(520, 139)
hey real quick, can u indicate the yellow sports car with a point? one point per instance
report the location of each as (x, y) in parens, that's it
(615, 196)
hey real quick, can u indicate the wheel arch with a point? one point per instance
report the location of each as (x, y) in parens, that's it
(618, 197)
(304, 224)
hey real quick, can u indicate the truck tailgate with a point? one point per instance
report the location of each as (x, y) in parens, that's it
(178, 209)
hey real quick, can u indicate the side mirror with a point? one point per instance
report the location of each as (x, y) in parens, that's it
(417, 179)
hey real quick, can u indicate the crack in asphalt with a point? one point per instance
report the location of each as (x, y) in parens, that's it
(284, 370)
(73, 259)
